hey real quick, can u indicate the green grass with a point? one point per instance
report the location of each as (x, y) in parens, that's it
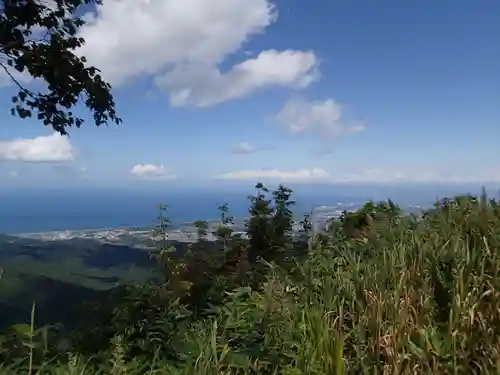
(401, 296)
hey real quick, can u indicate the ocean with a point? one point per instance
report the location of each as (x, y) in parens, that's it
(27, 212)
(39, 210)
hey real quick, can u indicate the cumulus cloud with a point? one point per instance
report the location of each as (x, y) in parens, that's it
(244, 148)
(151, 172)
(203, 85)
(300, 115)
(52, 148)
(301, 175)
(182, 44)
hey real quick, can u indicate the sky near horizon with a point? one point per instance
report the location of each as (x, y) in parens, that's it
(290, 91)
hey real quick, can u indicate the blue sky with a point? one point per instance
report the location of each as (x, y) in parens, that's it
(290, 91)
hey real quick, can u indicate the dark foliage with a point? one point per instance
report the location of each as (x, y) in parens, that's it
(51, 59)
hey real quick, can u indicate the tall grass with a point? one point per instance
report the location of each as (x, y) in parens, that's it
(409, 296)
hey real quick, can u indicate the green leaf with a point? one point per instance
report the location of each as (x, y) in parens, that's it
(22, 329)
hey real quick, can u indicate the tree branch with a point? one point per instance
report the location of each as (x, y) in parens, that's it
(21, 87)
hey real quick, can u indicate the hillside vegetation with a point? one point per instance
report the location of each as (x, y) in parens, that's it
(378, 293)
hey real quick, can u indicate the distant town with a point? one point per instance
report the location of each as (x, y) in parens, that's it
(184, 232)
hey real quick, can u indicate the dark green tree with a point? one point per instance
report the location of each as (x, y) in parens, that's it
(282, 224)
(258, 226)
(172, 265)
(51, 59)
(224, 231)
(304, 235)
(201, 229)
(160, 237)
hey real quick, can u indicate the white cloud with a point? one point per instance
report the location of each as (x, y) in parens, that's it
(244, 148)
(380, 175)
(373, 175)
(300, 115)
(151, 172)
(204, 85)
(183, 42)
(356, 126)
(301, 175)
(52, 148)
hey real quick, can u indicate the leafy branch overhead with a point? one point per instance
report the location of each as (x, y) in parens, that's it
(39, 38)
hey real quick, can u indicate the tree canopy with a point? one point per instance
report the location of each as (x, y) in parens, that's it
(39, 38)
